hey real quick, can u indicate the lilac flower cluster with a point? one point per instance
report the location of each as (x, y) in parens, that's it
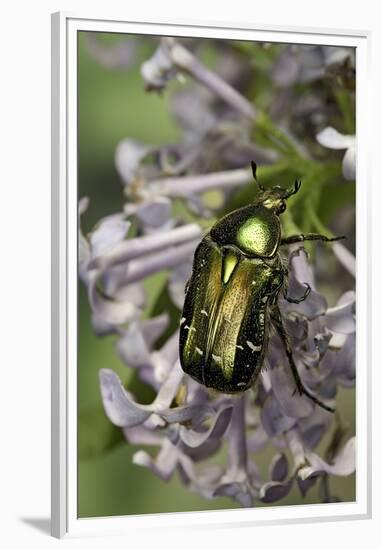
(188, 424)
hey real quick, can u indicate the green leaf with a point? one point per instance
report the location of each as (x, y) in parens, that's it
(345, 101)
(97, 435)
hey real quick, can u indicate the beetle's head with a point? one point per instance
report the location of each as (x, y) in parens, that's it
(275, 198)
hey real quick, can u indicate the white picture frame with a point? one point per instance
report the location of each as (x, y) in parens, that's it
(65, 27)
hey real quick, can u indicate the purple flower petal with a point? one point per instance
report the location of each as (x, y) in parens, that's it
(155, 213)
(153, 328)
(274, 421)
(119, 407)
(341, 317)
(152, 263)
(305, 484)
(168, 389)
(108, 232)
(177, 281)
(257, 440)
(310, 359)
(291, 403)
(300, 267)
(273, 491)
(132, 347)
(108, 309)
(348, 297)
(328, 388)
(204, 451)
(135, 344)
(322, 341)
(128, 157)
(343, 465)
(131, 249)
(101, 327)
(203, 481)
(216, 429)
(332, 139)
(164, 465)
(278, 469)
(134, 293)
(186, 413)
(140, 435)
(191, 109)
(164, 359)
(301, 274)
(121, 55)
(159, 69)
(314, 426)
(349, 163)
(296, 328)
(237, 491)
(296, 447)
(313, 435)
(345, 365)
(84, 253)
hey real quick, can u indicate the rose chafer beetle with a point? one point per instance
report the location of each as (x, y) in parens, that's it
(232, 296)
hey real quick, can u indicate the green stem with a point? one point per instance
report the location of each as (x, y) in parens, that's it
(318, 175)
(285, 143)
(345, 103)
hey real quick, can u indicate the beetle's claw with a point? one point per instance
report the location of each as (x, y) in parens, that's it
(341, 238)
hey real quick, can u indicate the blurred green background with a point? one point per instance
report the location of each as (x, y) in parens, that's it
(113, 105)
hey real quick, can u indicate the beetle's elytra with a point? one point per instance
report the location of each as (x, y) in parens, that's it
(232, 296)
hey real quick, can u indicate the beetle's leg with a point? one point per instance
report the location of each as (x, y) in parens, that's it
(285, 273)
(308, 237)
(298, 300)
(278, 323)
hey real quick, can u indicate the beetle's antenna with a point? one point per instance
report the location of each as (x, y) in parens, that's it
(293, 190)
(254, 170)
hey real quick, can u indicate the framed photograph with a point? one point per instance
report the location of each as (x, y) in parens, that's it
(210, 321)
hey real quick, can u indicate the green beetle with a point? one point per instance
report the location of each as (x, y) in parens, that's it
(232, 296)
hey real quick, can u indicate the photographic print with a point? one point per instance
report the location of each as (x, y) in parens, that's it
(216, 333)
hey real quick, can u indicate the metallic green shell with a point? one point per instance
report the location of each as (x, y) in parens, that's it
(223, 332)
(254, 229)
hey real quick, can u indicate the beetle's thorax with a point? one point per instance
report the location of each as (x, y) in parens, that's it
(254, 230)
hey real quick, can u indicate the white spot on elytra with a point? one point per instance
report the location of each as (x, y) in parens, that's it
(239, 347)
(199, 351)
(264, 299)
(252, 346)
(182, 320)
(189, 328)
(204, 312)
(217, 358)
(240, 384)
